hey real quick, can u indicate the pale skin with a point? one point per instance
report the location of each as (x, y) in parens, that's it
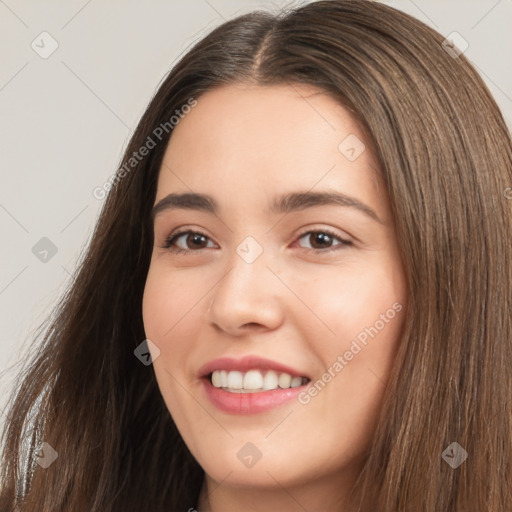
(302, 302)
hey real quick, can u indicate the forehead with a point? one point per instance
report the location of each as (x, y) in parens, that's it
(263, 139)
(246, 116)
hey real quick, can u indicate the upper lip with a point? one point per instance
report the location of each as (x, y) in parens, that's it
(250, 362)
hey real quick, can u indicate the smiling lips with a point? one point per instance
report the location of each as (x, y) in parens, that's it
(250, 385)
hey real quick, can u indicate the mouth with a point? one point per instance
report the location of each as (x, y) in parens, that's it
(250, 385)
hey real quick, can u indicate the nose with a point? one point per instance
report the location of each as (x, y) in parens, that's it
(248, 298)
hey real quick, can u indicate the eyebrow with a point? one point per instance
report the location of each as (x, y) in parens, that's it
(290, 202)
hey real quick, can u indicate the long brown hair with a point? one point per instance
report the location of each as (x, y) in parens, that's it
(446, 159)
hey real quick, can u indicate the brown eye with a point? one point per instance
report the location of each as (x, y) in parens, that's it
(323, 240)
(186, 241)
(193, 241)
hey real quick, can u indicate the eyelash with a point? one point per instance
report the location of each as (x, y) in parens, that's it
(169, 241)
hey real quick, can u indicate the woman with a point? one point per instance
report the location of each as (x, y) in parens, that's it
(309, 239)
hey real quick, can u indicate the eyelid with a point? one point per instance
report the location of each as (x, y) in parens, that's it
(344, 242)
(176, 234)
(329, 231)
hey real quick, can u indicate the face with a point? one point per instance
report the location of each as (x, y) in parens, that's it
(256, 287)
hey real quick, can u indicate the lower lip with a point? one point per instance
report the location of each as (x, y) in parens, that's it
(249, 403)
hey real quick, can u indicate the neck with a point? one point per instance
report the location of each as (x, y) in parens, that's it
(315, 496)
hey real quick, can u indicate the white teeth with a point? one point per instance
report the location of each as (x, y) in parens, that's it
(235, 380)
(270, 380)
(285, 380)
(296, 382)
(216, 379)
(254, 381)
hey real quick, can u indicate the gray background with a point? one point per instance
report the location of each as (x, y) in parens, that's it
(65, 120)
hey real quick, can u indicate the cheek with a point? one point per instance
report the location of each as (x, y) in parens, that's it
(353, 299)
(363, 311)
(171, 311)
(167, 302)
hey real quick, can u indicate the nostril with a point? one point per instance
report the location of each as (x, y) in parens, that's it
(253, 325)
